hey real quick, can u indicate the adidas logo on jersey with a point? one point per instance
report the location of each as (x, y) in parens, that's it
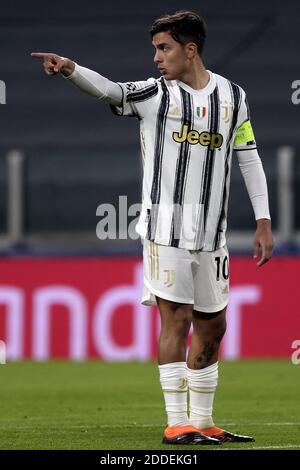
(207, 139)
(175, 111)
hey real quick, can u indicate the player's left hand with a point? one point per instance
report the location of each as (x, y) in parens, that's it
(263, 241)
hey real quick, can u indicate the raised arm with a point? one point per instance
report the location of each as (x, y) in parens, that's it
(87, 80)
(53, 63)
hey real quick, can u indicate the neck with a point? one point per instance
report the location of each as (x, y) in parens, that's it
(196, 76)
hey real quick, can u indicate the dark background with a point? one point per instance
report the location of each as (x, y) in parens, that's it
(78, 154)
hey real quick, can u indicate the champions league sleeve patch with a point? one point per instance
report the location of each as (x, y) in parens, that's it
(130, 86)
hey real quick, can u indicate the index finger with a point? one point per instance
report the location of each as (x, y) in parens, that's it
(39, 54)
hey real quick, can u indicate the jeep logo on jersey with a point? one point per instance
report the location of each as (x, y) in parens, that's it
(214, 141)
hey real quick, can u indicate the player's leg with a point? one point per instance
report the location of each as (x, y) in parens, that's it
(168, 281)
(209, 326)
(175, 325)
(202, 363)
(208, 331)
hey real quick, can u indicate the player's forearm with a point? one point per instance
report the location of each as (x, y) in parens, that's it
(255, 180)
(95, 84)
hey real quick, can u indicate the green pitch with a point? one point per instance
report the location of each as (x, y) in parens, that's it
(95, 405)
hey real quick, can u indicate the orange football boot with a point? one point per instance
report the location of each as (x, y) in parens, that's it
(187, 435)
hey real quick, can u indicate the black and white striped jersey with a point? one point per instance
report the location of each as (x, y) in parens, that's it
(187, 139)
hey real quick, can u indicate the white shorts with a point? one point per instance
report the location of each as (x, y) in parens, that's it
(199, 278)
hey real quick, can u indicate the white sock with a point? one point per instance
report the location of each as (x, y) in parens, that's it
(173, 380)
(202, 385)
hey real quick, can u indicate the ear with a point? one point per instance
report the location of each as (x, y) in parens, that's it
(191, 50)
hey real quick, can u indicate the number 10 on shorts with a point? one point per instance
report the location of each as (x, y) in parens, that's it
(222, 267)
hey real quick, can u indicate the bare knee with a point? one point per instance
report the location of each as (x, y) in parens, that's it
(181, 324)
(175, 318)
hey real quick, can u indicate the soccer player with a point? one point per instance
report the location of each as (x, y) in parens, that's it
(191, 120)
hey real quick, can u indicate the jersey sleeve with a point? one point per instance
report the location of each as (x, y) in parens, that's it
(250, 162)
(244, 136)
(138, 98)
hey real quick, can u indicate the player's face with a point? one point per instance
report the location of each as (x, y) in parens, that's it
(171, 58)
